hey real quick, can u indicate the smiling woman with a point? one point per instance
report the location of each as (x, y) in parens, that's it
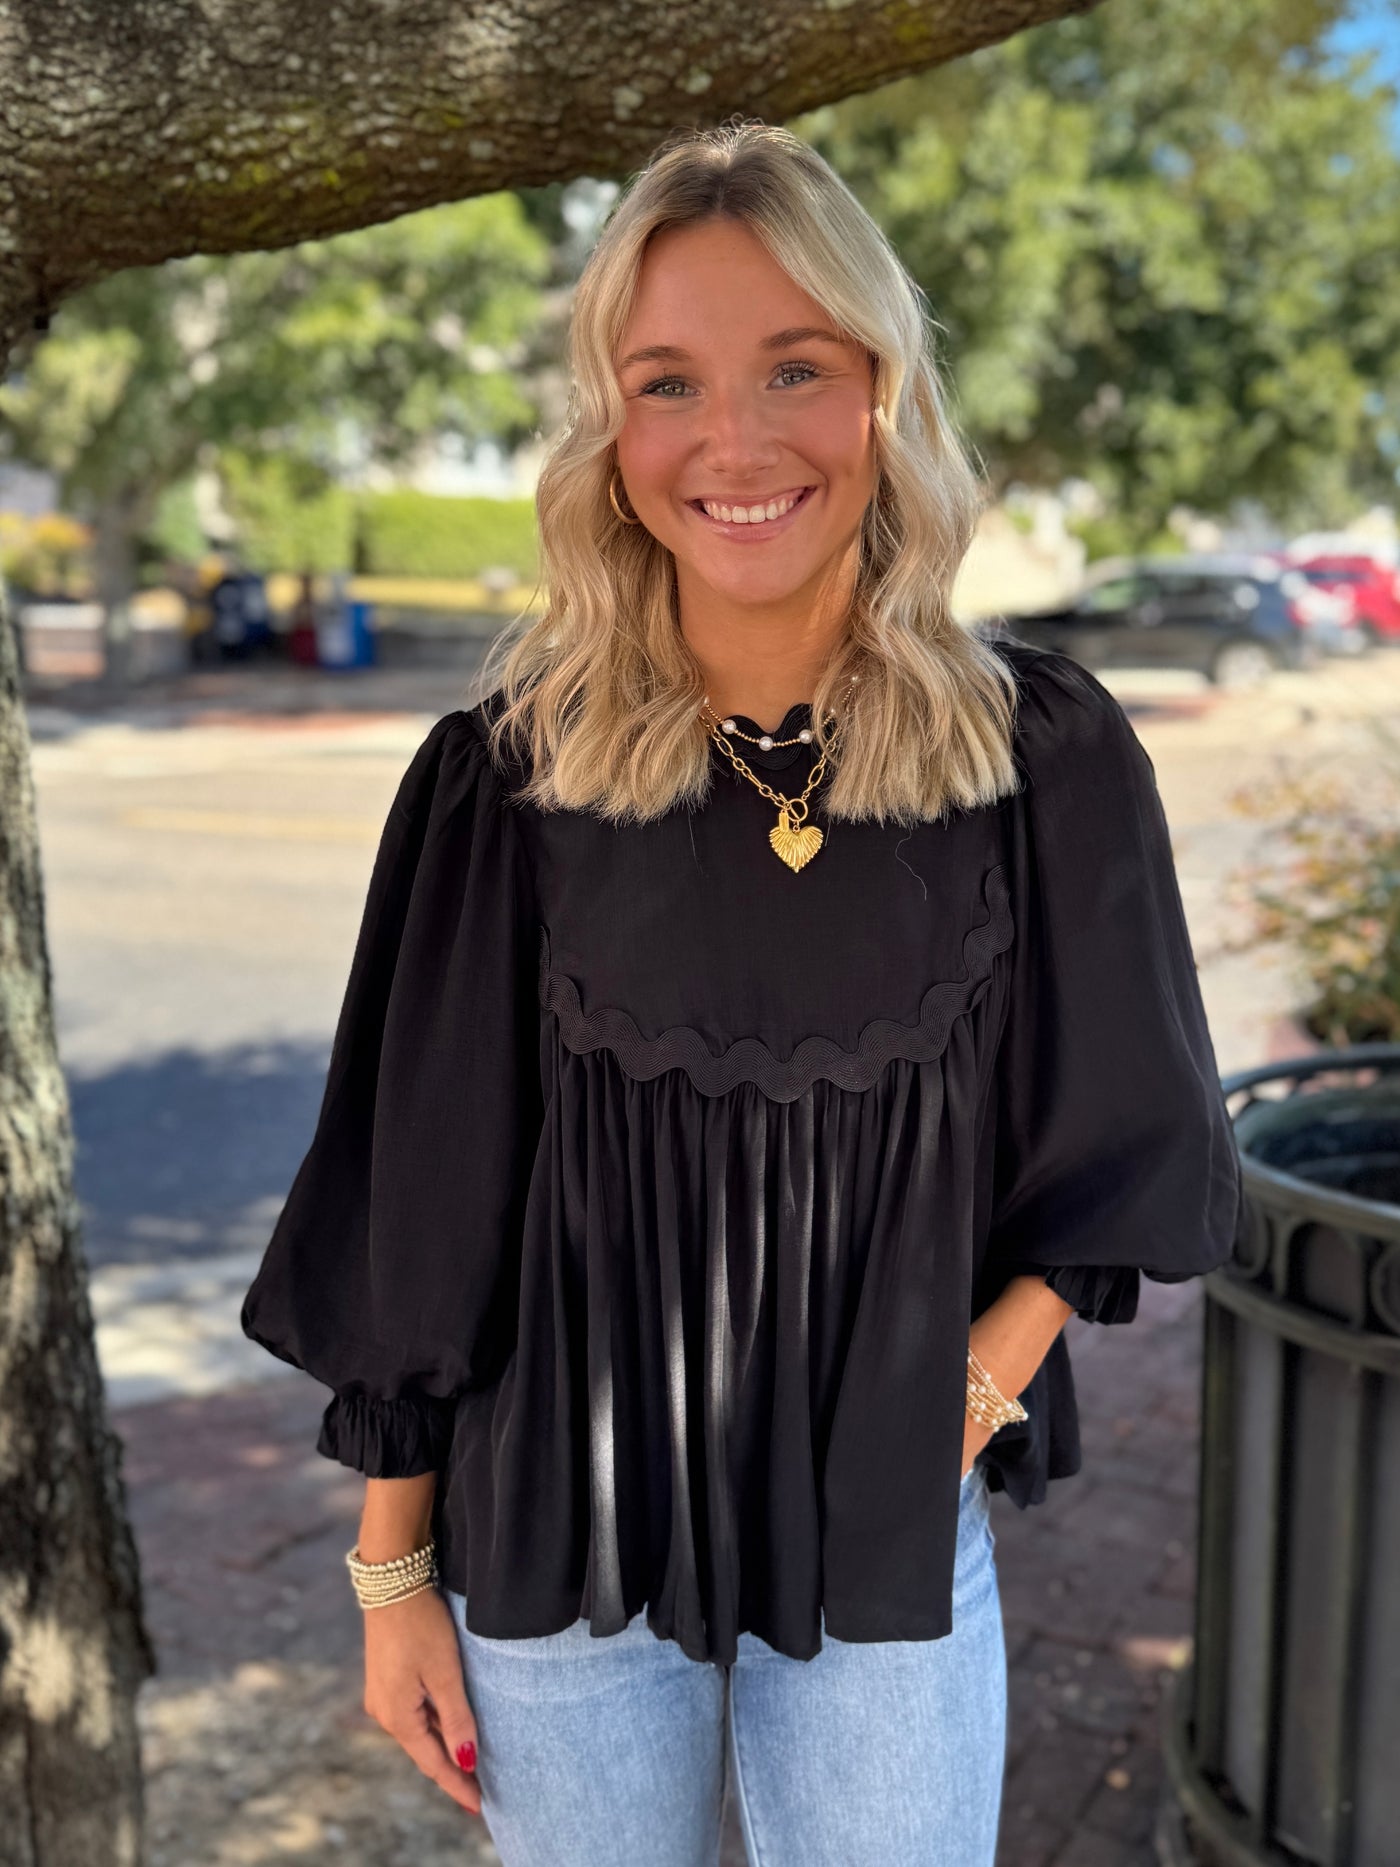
(760, 437)
(697, 1200)
(756, 493)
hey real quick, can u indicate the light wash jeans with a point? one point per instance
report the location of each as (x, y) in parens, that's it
(617, 1752)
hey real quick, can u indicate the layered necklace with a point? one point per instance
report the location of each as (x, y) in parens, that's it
(793, 839)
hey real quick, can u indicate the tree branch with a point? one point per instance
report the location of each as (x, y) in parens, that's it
(129, 136)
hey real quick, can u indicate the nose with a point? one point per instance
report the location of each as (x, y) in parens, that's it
(737, 434)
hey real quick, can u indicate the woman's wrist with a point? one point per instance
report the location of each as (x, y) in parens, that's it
(985, 1401)
(397, 1517)
(381, 1584)
(1013, 1335)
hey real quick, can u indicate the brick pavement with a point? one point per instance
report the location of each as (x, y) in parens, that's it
(1096, 1596)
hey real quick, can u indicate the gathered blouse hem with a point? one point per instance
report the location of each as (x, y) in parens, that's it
(858, 1624)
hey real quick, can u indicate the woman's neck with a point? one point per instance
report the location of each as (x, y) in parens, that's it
(760, 667)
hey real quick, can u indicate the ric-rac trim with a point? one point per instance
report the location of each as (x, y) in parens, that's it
(748, 1059)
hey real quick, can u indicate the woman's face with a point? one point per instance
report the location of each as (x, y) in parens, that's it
(744, 399)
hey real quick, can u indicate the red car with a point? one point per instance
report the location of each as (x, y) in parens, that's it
(1374, 588)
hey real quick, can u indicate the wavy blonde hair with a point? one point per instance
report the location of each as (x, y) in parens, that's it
(601, 692)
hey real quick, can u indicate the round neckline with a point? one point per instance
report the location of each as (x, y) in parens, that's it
(778, 756)
(798, 713)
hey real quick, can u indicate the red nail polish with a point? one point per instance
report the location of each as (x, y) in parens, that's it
(466, 1756)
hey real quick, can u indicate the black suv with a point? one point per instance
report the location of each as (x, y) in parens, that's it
(1232, 618)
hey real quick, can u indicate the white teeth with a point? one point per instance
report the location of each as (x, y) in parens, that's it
(750, 515)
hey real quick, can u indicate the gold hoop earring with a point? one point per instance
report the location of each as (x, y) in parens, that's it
(612, 496)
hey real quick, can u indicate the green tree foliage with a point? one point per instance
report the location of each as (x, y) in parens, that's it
(405, 329)
(288, 517)
(391, 335)
(1161, 244)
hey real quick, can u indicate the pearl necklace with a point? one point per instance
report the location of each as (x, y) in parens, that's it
(766, 740)
(794, 840)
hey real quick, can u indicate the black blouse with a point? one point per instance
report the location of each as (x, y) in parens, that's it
(655, 1184)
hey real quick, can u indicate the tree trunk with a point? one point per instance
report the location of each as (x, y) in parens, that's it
(74, 1647)
(114, 561)
(117, 525)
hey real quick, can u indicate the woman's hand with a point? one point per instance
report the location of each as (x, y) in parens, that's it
(414, 1688)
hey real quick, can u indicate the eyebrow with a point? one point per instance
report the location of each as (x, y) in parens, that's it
(780, 340)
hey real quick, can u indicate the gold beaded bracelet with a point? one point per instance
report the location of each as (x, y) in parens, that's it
(379, 1583)
(985, 1400)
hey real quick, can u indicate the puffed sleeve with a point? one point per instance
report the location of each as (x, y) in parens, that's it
(1114, 1154)
(391, 1274)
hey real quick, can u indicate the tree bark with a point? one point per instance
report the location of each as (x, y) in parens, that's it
(73, 1642)
(129, 136)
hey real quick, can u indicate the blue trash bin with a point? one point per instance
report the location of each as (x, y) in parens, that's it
(360, 619)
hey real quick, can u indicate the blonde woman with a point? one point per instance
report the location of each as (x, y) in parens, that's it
(773, 1016)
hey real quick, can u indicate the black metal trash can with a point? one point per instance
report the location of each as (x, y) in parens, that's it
(1283, 1733)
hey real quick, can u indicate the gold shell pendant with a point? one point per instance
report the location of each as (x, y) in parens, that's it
(796, 846)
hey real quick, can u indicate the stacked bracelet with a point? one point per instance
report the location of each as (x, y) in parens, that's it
(379, 1583)
(985, 1400)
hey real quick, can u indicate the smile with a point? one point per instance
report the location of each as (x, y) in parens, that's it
(760, 519)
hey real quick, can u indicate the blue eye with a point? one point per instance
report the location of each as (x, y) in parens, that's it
(667, 382)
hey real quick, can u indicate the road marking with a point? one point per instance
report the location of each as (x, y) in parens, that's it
(250, 823)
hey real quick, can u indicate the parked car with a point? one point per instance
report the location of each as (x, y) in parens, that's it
(1233, 617)
(1373, 586)
(1329, 611)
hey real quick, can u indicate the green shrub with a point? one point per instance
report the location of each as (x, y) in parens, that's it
(48, 555)
(1328, 891)
(290, 519)
(410, 534)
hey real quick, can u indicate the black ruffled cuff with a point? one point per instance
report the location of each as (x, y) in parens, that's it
(387, 1438)
(1098, 1292)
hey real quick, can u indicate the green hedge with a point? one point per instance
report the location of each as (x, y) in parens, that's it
(286, 523)
(408, 534)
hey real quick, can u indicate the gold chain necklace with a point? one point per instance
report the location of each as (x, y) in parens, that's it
(793, 839)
